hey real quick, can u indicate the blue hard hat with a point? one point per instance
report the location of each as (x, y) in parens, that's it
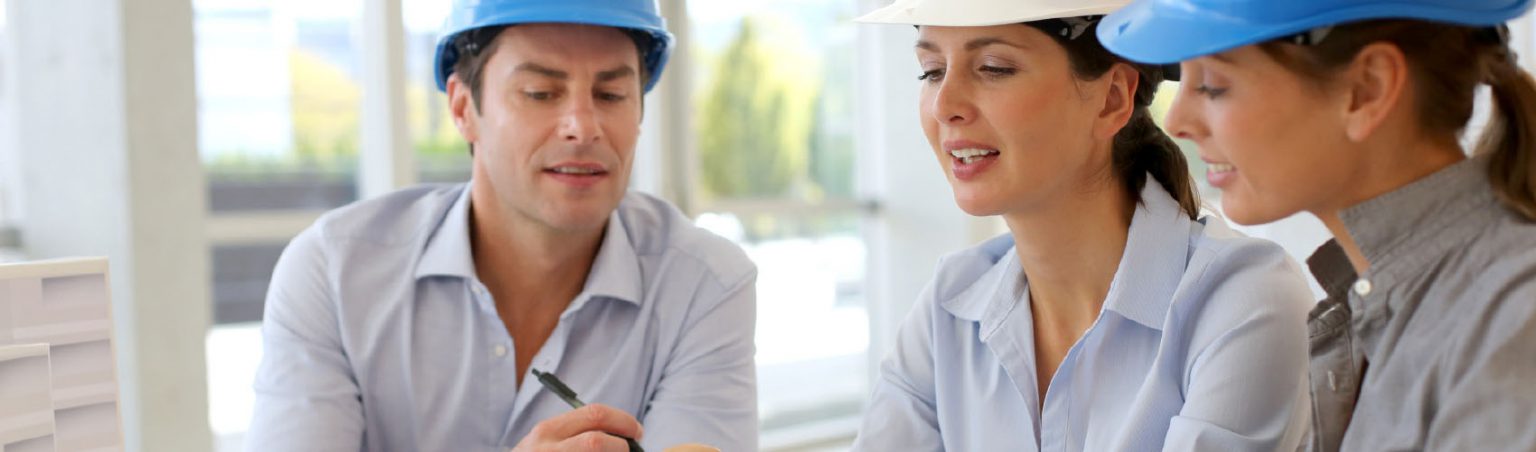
(1169, 31)
(640, 15)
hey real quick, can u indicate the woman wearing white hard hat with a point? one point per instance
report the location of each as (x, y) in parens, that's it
(1113, 316)
(1352, 110)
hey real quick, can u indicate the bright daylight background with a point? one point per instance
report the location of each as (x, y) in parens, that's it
(780, 125)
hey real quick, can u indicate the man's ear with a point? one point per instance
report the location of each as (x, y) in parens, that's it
(461, 105)
(1375, 82)
(1119, 100)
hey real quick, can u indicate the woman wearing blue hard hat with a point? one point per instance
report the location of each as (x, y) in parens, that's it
(1113, 316)
(1352, 111)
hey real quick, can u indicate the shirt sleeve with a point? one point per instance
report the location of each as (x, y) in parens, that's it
(902, 413)
(708, 392)
(1491, 403)
(307, 398)
(1246, 385)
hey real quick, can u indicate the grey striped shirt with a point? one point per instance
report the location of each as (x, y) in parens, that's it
(1434, 347)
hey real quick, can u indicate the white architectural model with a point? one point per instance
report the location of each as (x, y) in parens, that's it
(58, 381)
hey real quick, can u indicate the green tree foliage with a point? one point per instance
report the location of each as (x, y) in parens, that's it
(756, 116)
(325, 107)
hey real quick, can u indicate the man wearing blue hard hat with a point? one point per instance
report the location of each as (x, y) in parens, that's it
(417, 320)
(1354, 111)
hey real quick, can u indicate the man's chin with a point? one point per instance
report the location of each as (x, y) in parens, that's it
(578, 218)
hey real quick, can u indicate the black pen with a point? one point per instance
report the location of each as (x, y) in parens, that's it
(565, 393)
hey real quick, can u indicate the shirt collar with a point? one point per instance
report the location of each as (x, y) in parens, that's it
(1156, 254)
(448, 251)
(615, 271)
(1153, 263)
(1331, 268)
(1397, 230)
(996, 292)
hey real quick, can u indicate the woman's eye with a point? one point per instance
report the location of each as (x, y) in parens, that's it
(996, 70)
(931, 75)
(538, 95)
(1210, 91)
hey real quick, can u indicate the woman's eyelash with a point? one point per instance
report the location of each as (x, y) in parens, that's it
(996, 70)
(1208, 91)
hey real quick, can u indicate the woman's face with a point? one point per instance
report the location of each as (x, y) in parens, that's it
(1274, 142)
(1011, 125)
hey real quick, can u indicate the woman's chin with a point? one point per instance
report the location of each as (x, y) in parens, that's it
(977, 206)
(1248, 213)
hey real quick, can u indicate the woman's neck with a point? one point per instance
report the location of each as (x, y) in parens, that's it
(1070, 249)
(1389, 167)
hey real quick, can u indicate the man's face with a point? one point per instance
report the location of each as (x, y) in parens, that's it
(559, 114)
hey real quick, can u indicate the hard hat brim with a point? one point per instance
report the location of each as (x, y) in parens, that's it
(933, 14)
(1146, 33)
(656, 59)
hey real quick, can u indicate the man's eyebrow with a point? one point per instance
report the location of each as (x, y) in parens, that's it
(542, 70)
(615, 73)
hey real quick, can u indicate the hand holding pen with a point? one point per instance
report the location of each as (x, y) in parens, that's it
(565, 393)
(587, 428)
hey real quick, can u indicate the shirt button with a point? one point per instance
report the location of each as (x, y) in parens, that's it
(500, 351)
(1363, 287)
(479, 290)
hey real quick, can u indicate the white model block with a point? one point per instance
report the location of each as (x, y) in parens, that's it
(26, 406)
(66, 305)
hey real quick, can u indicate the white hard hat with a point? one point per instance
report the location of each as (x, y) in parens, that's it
(980, 13)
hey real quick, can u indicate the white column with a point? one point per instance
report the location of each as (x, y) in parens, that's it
(10, 169)
(106, 119)
(673, 166)
(386, 160)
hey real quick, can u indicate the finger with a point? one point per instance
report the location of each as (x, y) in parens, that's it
(594, 441)
(594, 417)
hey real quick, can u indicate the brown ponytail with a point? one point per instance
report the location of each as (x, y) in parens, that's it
(1141, 147)
(1439, 55)
(1511, 134)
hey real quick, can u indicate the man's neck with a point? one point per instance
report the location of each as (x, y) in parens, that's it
(525, 263)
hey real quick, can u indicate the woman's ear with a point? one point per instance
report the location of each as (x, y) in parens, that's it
(1375, 82)
(1119, 100)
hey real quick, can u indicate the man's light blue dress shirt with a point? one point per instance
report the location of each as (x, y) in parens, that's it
(1201, 345)
(379, 336)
